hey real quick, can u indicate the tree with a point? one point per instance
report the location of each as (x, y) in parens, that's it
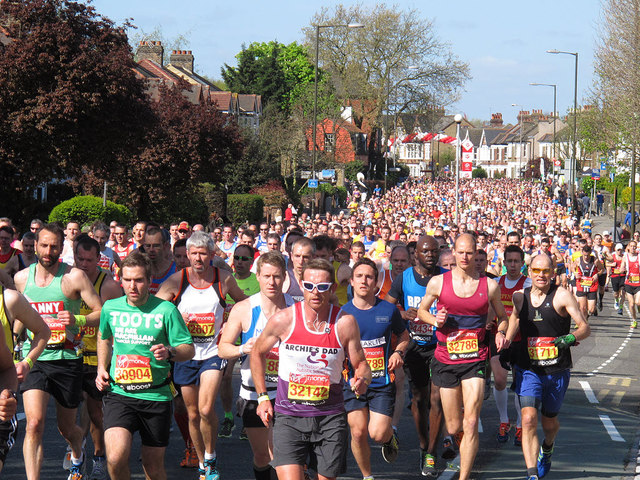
(69, 99)
(479, 172)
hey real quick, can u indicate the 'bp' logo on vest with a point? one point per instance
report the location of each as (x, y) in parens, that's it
(413, 301)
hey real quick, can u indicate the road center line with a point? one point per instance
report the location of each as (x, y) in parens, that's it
(624, 344)
(588, 392)
(611, 429)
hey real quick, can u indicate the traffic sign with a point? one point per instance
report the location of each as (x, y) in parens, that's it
(595, 174)
(313, 183)
(603, 165)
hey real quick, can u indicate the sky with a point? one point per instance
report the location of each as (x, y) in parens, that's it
(504, 42)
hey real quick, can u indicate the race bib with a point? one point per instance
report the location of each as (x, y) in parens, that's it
(462, 344)
(58, 333)
(375, 359)
(308, 389)
(89, 331)
(587, 282)
(133, 372)
(273, 357)
(634, 278)
(202, 327)
(423, 331)
(542, 351)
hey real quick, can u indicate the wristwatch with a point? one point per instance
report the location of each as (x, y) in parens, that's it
(172, 353)
(399, 352)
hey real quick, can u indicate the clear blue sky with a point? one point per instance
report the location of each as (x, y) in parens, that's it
(504, 42)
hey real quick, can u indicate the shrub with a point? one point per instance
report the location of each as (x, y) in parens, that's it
(272, 193)
(479, 172)
(244, 208)
(87, 209)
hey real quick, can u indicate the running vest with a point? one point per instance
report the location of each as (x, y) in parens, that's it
(562, 249)
(539, 328)
(5, 324)
(341, 290)
(90, 334)
(258, 322)
(310, 368)
(461, 338)
(376, 326)
(294, 287)
(204, 308)
(229, 251)
(386, 285)
(6, 258)
(48, 301)
(106, 259)
(633, 271)
(616, 271)
(123, 252)
(156, 282)
(584, 275)
(493, 263)
(422, 333)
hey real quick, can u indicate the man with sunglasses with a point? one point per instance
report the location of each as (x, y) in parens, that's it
(631, 267)
(372, 413)
(543, 314)
(199, 292)
(617, 277)
(310, 415)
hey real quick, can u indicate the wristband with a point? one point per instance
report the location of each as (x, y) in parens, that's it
(399, 352)
(263, 397)
(29, 362)
(81, 320)
(504, 334)
(240, 350)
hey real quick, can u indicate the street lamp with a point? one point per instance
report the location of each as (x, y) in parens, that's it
(521, 128)
(315, 96)
(572, 172)
(554, 118)
(458, 120)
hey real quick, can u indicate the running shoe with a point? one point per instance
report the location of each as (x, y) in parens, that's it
(448, 449)
(620, 311)
(66, 461)
(210, 470)
(201, 474)
(226, 428)
(190, 459)
(532, 477)
(544, 462)
(600, 307)
(616, 305)
(390, 449)
(517, 440)
(99, 471)
(76, 472)
(503, 432)
(243, 434)
(634, 324)
(428, 465)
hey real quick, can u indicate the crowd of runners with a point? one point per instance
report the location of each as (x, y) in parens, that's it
(327, 317)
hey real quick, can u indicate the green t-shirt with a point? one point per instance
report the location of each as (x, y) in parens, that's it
(248, 285)
(134, 369)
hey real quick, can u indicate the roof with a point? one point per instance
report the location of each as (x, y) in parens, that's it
(547, 138)
(249, 103)
(191, 77)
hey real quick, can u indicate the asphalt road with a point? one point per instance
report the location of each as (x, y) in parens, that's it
(598, 438)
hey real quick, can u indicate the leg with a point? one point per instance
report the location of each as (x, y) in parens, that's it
(226, 391)
(380, 429)
(452, 408)
(153, 462)
(472, 396)
(190, 397)
(500, 392)
(632, 305)
(71, 432)
(435, 418)
(261, 442)
(530, 442)
(358, 422)
(400, 394)
(550, 427)
(35, 409)
(118, 443)
(592, 307)
(290, 472)
(209, 386)
(94, 408)
(419, 411)
(582, 303)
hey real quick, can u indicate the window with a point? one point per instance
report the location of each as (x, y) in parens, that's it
(413, 151)
(329, 142)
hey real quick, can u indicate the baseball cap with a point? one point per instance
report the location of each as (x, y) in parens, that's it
(184, 226)
(619, 246)
(606, 232)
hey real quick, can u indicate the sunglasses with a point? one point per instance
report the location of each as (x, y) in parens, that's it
(322, 287)
(538, 271)
(242, 258)
(182, 230)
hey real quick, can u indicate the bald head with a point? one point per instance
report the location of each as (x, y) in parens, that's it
(467, 239)
(427, 252)
(541, 261)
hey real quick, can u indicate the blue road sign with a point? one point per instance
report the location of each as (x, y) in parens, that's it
(595, 174)
(313, 183)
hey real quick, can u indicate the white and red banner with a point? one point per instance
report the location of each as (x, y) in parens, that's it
(467, 159)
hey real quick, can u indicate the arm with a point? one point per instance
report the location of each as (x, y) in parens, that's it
(396, 360)
(8, 381)
(170, 288)
(5, 280)
(104, 348)
(569, 304)
(19, 308)
(232, 329)
(344, 274)
(498, 308)
(514, 320)
(230, 286)
(178, 353)
(77, 280)
(349, 334)
(433, 292)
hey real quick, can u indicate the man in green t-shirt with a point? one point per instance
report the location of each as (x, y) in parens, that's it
(139, 334)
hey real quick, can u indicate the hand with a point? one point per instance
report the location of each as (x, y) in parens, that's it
(565, 341)
(248, 347)
(441, 317)
(358, 385)
(8, 405)
(22, 370)
(102, 380)
(501, 342)
(66, 318)
(395, 361)
(265, 412)
(410, 314)
(160, 351)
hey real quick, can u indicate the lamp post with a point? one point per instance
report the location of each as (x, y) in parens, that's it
(520, 146)
(458, 120)
(572, 172)
(554, 117)
(315, 95)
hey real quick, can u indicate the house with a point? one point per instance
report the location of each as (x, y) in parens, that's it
(341, 140)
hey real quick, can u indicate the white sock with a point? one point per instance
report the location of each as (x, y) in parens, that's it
(501, 397)
(201, 465)
(210, 456)
(77, 461)
(516, 400)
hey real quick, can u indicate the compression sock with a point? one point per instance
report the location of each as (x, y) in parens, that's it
(228, 415)
(182, 420)
(262, 473)
(516, 400)
(209, 456)
(532, 472)
(547, 448)
(502, 397)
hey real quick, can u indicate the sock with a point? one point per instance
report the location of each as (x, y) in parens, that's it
(209, 456)
(501, 397)
(516, 400)
(368, 477)
(273, 474)
(532, 472)
(547, 448)
(201, 465)
(262, 473)
(228, 415)
(182, 420)
(600, 295)
(77, 461)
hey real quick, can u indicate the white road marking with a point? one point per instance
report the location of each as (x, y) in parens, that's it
(588, 392)
(622, 346)
(611, 428)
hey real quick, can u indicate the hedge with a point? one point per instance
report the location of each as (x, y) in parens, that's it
(87, 209)
(243, 208)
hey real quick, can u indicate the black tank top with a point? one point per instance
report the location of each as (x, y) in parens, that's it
(539, 327)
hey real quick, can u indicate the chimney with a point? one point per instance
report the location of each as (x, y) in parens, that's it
(182, 58)
(152, 50)
(496, 120)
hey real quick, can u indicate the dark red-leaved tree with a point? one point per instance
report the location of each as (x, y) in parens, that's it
(69, 99)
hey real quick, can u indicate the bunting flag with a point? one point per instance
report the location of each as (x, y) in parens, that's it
(422, 137)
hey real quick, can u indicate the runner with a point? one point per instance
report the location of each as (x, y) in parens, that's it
(8, 255)
(8, 396)
(372, 413)
(247, 319)
(302, 251)
(199, 292)
(139, 334)
(228, 244)
(399, 260)
(310, 416)
(123, 246)
(87, 256)
(631, 267)
(28, 255)
(157, 248)
(543, 313)
(180, 254)
(409, 289)
(460, 359)
(617, 277)
(107, 256)
(138, 232)
(71, 232)
(588, 268)
(55, 290)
